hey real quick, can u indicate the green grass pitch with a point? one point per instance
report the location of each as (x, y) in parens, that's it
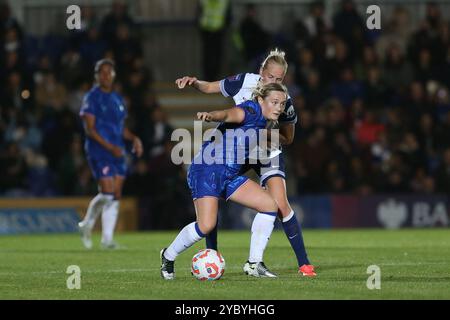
(414, 264)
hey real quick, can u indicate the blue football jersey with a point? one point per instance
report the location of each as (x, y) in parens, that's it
(236, 140)
(110, 113)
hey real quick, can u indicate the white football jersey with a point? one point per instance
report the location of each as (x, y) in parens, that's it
(240, 87)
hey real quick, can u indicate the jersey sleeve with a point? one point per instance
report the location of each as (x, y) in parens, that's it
(251, 112)
(230, 86)
(88, 105)
(289, 115)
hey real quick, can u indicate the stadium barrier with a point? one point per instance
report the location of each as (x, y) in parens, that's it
(376, 211)
(327, 211)
(57, 215)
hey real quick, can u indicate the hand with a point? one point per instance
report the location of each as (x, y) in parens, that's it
(204, 116)
(117, 151)
(181, 82)
(137, 147)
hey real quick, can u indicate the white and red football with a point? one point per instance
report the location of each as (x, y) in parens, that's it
(208, 264)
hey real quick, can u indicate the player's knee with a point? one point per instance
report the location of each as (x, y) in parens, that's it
(206, 226)
(269, 205)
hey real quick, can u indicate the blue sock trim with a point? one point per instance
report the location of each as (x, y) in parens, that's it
(274, 214)
(108, 193)
(200, 233)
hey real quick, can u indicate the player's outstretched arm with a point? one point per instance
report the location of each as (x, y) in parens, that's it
(233, 115)
(200, 85)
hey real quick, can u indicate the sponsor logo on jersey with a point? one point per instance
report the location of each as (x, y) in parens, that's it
(290, 111)
(105, 170)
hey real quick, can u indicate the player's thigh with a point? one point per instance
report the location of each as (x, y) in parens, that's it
(276, 186)
(206, 209)
(118, 186)
(252, 195)
(103, 172)
(106, 184)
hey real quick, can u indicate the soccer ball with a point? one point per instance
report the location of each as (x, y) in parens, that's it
(208, 264)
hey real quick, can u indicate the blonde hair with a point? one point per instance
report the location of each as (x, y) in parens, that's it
(263, 91)
(275, 56)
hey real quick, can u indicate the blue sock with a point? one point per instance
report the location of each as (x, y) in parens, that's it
(294, 234)
(211, 239)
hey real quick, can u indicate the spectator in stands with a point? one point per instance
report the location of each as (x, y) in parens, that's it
(92, 46)
(256, 40)
(126, 48)
(14, 169)
(367, 131)
(347, 88)
(8, 21)
(214, 17)
(402, 80)
(397, 70)
(396, 33)
(117, 17)
(316, 22)
(158, 132)
(69, 167)
(350, 27)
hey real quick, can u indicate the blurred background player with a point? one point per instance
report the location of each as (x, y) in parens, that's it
(209, 182)
(240, 87)
(103, 113)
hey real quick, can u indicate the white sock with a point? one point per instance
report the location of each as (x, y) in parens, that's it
(109, 219)
(185, 239)
(262, 228)
(95, 208)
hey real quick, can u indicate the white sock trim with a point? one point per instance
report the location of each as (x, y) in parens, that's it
(184, 240)
(289, 217)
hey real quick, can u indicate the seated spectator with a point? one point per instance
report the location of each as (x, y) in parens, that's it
(347, 89)
(368, 130)
(118, 16)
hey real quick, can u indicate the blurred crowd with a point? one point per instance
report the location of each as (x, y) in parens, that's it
(373, 105)
(43, 81)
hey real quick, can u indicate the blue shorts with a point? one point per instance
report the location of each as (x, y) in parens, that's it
(106, 168)
(213, 180)
(267, 169)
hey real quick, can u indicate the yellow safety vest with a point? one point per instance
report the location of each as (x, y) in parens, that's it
(213, 14)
